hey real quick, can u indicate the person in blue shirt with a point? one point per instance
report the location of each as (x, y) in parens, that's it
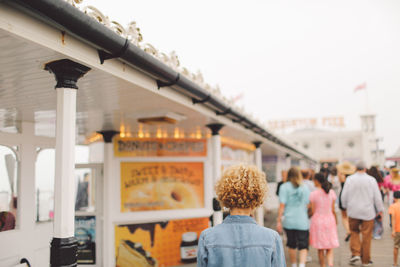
(239, 241)
(294, 199)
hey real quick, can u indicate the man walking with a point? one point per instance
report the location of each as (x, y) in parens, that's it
(363, 201)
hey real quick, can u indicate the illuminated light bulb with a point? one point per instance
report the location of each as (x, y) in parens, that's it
(182, 135)
(122, 131)
(128, 131)
(95, 137)
(165, 134)
(176, 133)
(140, 132)
(159, 133)
(198, 133)
(147, 135)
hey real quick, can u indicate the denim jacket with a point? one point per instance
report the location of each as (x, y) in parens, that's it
(240, 242)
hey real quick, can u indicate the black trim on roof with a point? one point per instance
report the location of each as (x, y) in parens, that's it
(65, 17)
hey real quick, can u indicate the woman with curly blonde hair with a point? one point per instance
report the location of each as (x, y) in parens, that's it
(239, 240)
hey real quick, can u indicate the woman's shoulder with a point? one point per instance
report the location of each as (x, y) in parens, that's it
(286, 185)
(303, 186)
(268, 232)
(205, 232)
(317, 191)
(332, 193)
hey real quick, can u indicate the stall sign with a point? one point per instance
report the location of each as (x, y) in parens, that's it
(160, 147)
(168, 243)
(236, 144)
(161, 185)
(85, 233)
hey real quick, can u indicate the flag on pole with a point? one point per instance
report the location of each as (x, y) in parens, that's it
(362, 86)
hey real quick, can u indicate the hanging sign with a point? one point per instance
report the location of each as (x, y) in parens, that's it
(161, 185)
(85, 233)
(236, 144)
(330, 122)
(168, 243)
(159, 147)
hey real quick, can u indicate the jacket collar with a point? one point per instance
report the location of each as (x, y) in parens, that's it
(239, 219)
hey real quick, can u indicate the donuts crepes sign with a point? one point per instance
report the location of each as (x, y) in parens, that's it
(161, 185)
(160, 147)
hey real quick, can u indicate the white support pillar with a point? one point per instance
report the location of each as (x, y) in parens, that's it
(64, 245)
(64, 184)
(108, 229)
(258, 158)
(216, 167)
(26, 197)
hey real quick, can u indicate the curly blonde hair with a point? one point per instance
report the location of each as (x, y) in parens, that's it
(241, 187)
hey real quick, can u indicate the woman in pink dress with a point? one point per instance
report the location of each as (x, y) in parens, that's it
(323, 231)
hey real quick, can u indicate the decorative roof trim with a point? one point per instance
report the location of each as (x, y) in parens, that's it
(132, 33)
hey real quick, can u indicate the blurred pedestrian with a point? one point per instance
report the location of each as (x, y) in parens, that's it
(239, 240)
(308, 175)
(325, 169)
(308, 179)
(334, 180)
(282, 181)
(374, 172)
(392, 183)
(294, 199)
(394, 211)
(362, 200)
(378, 225)
(323, 225)
(344, 169)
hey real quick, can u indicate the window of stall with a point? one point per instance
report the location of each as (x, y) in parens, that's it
(9, 184)
(236, 152)
(44, 173)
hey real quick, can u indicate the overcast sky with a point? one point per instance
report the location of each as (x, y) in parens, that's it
(292, 59)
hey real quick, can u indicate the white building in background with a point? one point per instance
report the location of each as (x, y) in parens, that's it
(334, 146)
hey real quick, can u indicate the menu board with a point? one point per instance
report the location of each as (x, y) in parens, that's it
(166, 243)
(161, 185)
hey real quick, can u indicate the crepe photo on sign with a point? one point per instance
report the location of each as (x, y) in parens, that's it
(161, 185)
(162, 244)
(132, 254)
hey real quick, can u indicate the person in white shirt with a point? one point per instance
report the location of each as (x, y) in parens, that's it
(308, 175)
(363, 202)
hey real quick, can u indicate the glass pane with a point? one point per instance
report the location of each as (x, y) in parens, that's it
(8, 188)
(81, 154)
(45, 165)
(85, 193)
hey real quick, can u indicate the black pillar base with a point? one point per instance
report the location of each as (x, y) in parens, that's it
(64, 252)
(257, 144)
(108, 135)
(215, 128)
(216, 205)
(67, 72)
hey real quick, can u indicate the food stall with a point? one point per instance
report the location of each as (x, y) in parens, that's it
(152, 128)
